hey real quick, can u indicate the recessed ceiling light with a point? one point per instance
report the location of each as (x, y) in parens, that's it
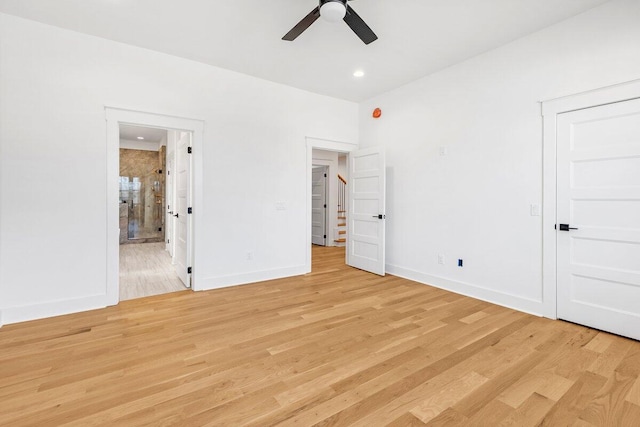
(358, 73)
(141, 137)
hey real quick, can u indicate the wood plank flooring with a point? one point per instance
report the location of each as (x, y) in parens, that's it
(335, 347)
(145, 270)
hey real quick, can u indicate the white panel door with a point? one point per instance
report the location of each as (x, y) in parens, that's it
(599, 200)
(319, 205)
(170, 205)
(366, 210)
(183, 202)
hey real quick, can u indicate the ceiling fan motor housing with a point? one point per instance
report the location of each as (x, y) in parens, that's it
(344, 2)
(333, 10)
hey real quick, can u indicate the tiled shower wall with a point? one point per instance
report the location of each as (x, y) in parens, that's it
(149, 166)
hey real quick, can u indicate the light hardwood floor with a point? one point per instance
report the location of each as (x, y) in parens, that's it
(145, 270)
(335, 347)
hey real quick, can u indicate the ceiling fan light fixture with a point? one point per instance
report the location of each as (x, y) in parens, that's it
(333, 11)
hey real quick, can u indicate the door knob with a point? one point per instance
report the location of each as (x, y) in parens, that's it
(177, 215)
(379, 216)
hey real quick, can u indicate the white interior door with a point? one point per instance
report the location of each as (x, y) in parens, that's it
(598, 282)
(183, 204)
(170, 205)
(319, 205)
(366, 207)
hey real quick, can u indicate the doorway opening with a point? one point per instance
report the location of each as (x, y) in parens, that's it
(327, 205)
(153, 193)
(148, 260)
(363, 211)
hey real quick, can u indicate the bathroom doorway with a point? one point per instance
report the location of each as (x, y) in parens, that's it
(147, 266)
(186, 137)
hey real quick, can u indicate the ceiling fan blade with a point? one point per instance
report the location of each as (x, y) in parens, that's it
(359, 27)
(302, 25)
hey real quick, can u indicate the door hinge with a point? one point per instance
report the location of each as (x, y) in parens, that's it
(325, 236)
(325, 206)
(188, 270)
(189, 150)
(159, 170)
(189, 210)
(168, 241)
(325, 175)
(168, 172)
(159, 228)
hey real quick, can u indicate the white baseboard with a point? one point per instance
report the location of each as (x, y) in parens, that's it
(9, 315)
(527, 305)
(217, 282)
(51, 309)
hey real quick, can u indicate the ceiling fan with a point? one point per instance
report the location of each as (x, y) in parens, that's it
(333, 11)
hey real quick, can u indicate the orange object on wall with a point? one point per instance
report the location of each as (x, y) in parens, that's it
(377, 113)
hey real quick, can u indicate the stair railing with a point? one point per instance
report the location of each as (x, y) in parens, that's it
(342, 194)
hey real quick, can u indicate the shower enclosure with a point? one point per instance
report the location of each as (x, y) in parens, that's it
(141, 197)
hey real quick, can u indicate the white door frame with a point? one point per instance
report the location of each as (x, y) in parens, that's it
(320, 144)
(550, 110)
(115, 117)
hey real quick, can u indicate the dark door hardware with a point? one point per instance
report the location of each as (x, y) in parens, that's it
(565, 227)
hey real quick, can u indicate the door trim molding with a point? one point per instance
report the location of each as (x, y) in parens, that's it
(320, 144)
(114, 117)
(550, 111)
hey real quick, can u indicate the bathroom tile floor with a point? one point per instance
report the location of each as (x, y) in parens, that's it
(145, 270)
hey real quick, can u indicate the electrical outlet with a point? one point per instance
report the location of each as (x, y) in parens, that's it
(441, 259)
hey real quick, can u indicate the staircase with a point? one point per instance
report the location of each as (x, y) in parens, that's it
(341, 230)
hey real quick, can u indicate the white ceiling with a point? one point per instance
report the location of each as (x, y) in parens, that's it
(416, 37)
(150, 135)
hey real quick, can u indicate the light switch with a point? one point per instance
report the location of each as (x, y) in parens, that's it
(535, 209)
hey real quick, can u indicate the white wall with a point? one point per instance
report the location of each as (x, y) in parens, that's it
(342, 166)
(54, 85)
(474, 202)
